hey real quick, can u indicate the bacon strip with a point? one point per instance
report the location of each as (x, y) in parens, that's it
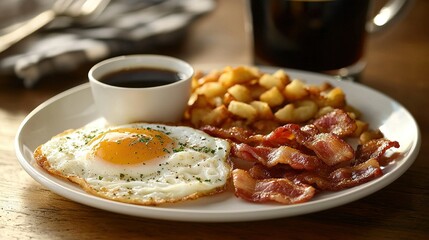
(327, 146)
(340, 178)
(259, 171)
(337, 122)
(273, 156)
(375, 149)
(331, 149)
(292, 161)
(279, 190)
(278, 137)
(235, 134)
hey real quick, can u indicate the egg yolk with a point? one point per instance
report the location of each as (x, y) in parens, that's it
(131, 145)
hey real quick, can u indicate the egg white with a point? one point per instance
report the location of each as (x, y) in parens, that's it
(198, 166)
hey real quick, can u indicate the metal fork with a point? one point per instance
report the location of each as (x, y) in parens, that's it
(79, 9)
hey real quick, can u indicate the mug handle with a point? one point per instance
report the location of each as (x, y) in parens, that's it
(387, 13)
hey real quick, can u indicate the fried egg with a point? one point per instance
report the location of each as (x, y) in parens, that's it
(146, 164)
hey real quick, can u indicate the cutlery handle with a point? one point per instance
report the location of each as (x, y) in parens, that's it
(26, 29)
(390, 11)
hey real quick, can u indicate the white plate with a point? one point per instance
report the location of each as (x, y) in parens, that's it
(75, 108)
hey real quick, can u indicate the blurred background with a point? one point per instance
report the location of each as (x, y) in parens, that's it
(40, 38)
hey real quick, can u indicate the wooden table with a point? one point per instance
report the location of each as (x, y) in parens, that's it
(398, 65)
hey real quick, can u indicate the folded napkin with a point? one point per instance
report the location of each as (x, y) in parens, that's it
(124, 27)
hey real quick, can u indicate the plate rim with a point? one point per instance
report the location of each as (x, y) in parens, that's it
(211, 215)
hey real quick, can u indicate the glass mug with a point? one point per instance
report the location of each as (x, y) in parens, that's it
(316, 35)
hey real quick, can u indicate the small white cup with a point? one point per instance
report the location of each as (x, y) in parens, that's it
(121, 105)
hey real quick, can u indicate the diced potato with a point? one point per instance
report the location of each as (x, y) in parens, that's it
(351, 109)
(297, 112)
(199, 101)
(272, 96)
(237, 75)
(336, 98)
(295, 90)
(197, 115)
(211, 89)
(305, 110)
(212, 76)
(361, 127)
(244, 96)
(368, 135)
(281, 74)
(256, 90)
(352, 115)
(192, 99)
(242, 110)
(286, 114)
(240, 93)
(216, 116)
(227, 98)
(269, 81)
(263, 109)
(324, 110)
(216, 101)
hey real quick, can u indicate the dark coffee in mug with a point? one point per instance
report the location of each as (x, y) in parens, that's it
(313, 35)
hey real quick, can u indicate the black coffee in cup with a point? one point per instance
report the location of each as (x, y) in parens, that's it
(310, 35)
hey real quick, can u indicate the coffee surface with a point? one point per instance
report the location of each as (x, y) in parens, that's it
(141, 77)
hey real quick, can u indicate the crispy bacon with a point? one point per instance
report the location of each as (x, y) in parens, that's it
(375, 149)
(340, 178)
(327, 146)
(331, 149)
(279, 190)
(272, 156)
(278, 137)
(235, 134)
(337, 122)
(259, 171)
(330, 179)
(292, 162)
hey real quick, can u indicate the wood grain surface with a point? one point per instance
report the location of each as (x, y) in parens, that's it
(398, 65)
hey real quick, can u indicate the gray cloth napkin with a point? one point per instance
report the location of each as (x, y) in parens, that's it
(124, 27)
